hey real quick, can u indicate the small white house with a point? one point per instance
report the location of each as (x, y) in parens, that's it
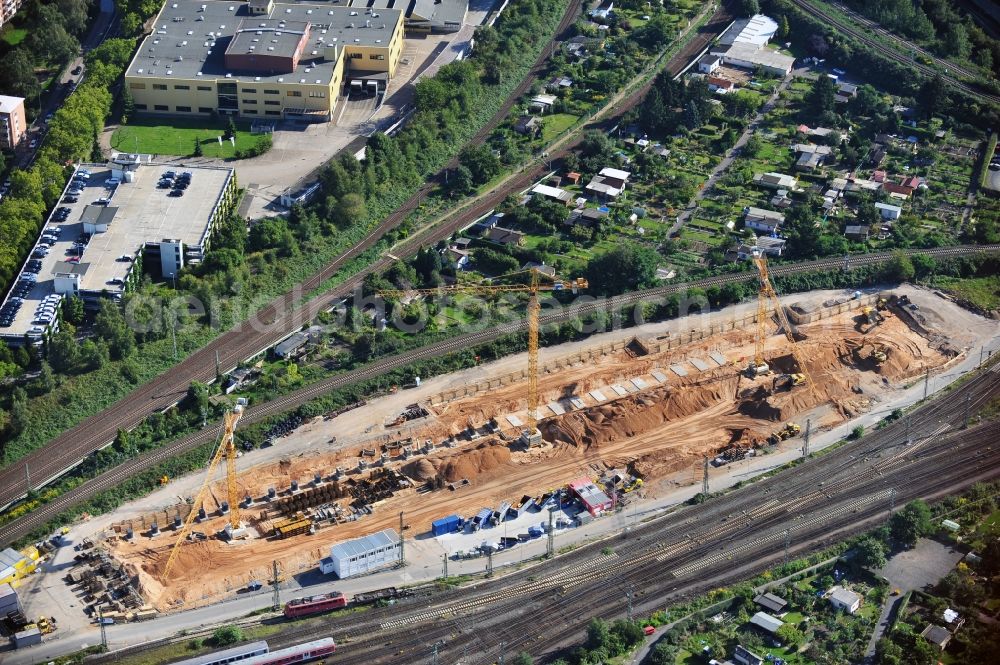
(844, 599)
(759, 219)
(361, 555)
(709, 63)
(888, 212)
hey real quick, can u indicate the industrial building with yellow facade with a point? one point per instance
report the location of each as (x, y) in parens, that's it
(262, 60)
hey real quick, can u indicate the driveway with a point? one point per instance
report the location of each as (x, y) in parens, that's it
(910, 570)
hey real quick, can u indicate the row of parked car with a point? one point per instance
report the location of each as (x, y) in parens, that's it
(179, 183)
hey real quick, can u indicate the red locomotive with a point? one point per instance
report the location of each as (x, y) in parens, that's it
(301, 607)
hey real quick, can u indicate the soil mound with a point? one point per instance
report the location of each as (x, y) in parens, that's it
(630, 416)
(471, 463)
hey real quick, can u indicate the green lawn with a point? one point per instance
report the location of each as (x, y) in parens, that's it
(14, 36)
(983, 292)
(555, 124)
(176, 136)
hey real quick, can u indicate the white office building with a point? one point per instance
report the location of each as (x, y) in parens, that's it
(363, 555)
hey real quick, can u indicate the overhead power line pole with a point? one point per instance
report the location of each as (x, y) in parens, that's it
(805, 438)
(275, 588)
(704, 479)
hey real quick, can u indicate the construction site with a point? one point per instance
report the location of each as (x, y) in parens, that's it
(665, 407)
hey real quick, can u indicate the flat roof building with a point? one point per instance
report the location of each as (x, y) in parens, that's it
(13, 124)
(436, 16)
(594, 500)
(361, 555)
(126, 217)
(755, 31)
(261, 59)
(748, 56)
(766, 622)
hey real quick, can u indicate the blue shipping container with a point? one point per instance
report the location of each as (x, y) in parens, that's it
(445, 525)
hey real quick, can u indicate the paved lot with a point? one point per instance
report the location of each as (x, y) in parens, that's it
(918, 568)
(922, 566)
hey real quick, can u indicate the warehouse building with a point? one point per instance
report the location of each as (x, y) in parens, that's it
(363, 555)
(262, 60)
(9, 602)
(15, 565)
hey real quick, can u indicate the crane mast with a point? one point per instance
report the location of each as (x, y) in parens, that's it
(768, 298)
(534, 308)
(227, 449)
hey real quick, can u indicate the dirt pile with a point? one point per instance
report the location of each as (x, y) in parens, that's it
(631, 416)
(486, 458)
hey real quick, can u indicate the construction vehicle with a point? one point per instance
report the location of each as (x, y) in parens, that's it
(164, 480)
(788, 431)
(227, 449)
(882, 304)
(767, 297)
(788, 381)
(45, 625)
(531, 435)
(869, 318)
(633, 485)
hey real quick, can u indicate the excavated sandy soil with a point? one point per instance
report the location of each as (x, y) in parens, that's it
(662, 433)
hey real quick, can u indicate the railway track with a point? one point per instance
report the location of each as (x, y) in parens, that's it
(278, 319)
(19, 528)
(690, 550)
(904, 43)
(659, 562)
(893, 54)
(283, 316)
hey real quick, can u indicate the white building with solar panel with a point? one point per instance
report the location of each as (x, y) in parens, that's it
(363, 555)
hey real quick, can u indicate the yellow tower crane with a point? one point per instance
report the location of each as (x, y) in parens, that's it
(227, 449)
(766, 298)
(534, 307)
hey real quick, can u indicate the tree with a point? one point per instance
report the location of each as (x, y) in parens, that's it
(17, 74)
(351, 209)
(94, 354)
(869, 553)
(821, 97)
(753, 146)
(227, 635)
(481, 162)
(933, 96)
(800, 227)
(72, 310)
(900, 268)
(49, 39)
(271, 233)
(230, 129)
(598, 634)
(64, 353)
(912, 522)
(790, 635)
(627, 267)
(692, 117)
(198, 150)
(110, 326)
(749, 7)
(461, 182)
(663, 653)
(783, 28)
(46, 380)
(523, 658)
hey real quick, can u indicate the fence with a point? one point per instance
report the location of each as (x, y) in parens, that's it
(651, 346)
